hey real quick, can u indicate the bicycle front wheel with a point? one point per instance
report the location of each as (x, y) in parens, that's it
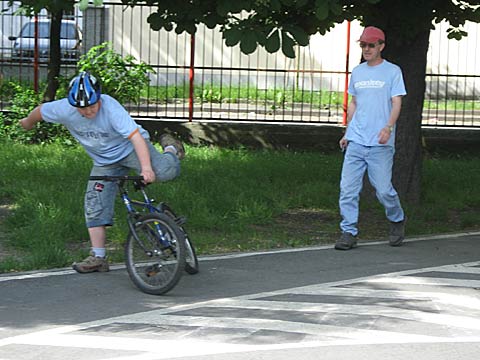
(191, 260)
(155, 254)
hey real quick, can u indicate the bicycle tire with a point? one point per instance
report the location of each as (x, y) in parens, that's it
(153, 269)
(191, 260)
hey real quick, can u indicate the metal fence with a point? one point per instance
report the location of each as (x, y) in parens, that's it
(199, 78)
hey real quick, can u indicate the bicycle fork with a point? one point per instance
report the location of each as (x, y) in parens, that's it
(157, 234)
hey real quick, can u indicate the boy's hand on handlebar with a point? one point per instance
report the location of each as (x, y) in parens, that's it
(148, 176)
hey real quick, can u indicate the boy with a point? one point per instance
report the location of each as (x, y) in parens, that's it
(116, 145)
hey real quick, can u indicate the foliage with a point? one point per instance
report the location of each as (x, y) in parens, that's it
(24, 101)
(83, 4)
(56, 9)
(31, 7)
(121, 77)
(284, 24)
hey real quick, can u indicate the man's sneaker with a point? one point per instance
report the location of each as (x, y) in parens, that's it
(346, 242)
(91, 264)
(397, 233)
(169, 140)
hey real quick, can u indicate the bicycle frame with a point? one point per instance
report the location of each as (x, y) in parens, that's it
(133, 214)
(157, 249)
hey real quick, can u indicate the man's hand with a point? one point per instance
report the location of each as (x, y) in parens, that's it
(384, 135)
(343, 143)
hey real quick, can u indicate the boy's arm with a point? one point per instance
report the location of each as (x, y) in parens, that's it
(143, 154)
(32, 119)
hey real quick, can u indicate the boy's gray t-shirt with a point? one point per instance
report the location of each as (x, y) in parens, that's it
(105, 137)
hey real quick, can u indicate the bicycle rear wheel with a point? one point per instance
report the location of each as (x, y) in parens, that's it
(152, 267)
(191, 261)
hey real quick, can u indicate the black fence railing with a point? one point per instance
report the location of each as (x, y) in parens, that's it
(199, 78)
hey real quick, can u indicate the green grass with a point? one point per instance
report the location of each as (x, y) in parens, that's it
(234, 200)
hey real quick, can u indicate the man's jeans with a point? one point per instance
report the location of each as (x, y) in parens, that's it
(378, 162)
(100, 195)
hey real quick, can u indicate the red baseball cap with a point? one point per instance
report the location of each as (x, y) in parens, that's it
(372, 34)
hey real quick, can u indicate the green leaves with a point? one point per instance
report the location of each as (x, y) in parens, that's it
(122, 77)
(273, 41)
(284, 24)
(232, 36)
(249, 39)
(287, 45)
(321, 9)
(248, 42)
(83, 4)
(300, 36)
(456, 33)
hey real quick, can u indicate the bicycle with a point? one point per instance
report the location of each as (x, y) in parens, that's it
(158, 248)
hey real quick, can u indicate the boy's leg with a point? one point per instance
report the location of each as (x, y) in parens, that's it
(99, 209)
(98, 236)
(169, 143)
(96, 261)
(166, 165)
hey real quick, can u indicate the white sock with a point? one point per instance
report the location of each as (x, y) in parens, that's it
(99, 252)
(171, 148)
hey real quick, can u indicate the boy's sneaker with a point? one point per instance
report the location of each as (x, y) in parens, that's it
(169, 140)
(397, 233)
(346, 242)
(91, 264)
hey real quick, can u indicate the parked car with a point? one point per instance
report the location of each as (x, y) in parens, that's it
(5, 47)
(24, 44)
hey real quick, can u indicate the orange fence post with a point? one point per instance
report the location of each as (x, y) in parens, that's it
(35, 55)
(191, 76)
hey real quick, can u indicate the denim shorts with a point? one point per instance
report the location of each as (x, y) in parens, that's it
(100, 195)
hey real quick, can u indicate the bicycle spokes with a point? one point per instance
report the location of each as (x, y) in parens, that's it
(152, 266)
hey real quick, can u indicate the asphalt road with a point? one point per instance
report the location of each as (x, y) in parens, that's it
(373, 302)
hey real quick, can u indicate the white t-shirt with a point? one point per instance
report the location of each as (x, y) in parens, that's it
(105, 137)
(374, 87)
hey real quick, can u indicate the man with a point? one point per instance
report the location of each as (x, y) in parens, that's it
(376, 87)
(116, 145)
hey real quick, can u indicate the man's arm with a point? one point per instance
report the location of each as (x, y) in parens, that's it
(352, 106)
(394, 114)
(32, 119)
(143, 154)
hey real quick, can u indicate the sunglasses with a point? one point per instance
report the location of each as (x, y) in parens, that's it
(369, 45)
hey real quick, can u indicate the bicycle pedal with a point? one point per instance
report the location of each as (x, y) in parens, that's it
(152, 270)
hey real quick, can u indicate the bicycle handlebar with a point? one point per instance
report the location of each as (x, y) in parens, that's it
(117, 177)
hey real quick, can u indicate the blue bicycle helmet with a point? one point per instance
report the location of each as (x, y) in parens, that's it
(84, 90)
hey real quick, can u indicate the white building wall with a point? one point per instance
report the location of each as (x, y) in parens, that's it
(128, 30)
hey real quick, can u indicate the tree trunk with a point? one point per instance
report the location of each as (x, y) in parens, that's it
(55, 57)
(411, 56)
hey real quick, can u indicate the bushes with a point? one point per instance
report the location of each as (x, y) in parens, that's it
(24, 101)
(121, 77)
